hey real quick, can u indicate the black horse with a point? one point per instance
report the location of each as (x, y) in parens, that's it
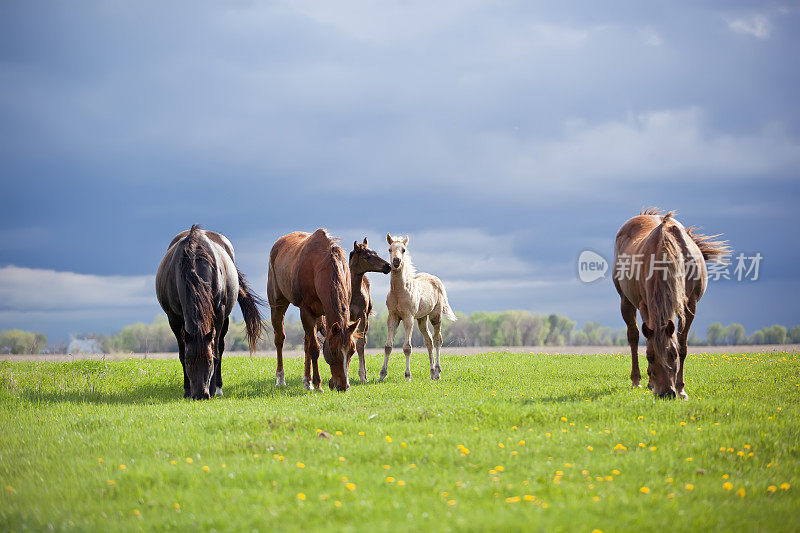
(197, 285)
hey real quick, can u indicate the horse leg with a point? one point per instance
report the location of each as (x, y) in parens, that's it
(361, 342)
(218, 359)
(408, 324)
(436, 320)
(312, 351)
(278, 311)
(426, 336)
(629, 316)
(176, 325)
(683, 339)
(391, 328)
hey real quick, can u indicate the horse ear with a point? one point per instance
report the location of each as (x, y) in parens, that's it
(355, 245)
(670, 328)
(405, 241)
(335, 328)
(352, 327)
(388, 238)
(366, 242)
(646, 331)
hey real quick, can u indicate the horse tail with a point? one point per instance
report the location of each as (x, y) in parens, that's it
(446, 309)
(669, 295)
(249, 302)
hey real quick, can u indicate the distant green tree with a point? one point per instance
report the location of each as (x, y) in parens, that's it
(756, 338)
(716, 334)
(775, 334)
(794, 335)
(17, 341)
(734, 334)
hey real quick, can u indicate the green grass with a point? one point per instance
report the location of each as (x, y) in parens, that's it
(550, 427)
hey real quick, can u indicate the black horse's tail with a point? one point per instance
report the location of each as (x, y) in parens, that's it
(249, 302)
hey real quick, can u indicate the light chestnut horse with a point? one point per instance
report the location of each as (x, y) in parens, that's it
(660, 270)
(310, 270)
(413, 296)
(197, 285)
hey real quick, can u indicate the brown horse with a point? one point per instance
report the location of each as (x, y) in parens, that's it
(660, 269)
(197, 285)
(363, 260)
(310, 271)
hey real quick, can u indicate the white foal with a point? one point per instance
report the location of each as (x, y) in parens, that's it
(412, 297)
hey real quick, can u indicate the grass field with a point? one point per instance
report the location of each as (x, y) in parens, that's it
(502, 442)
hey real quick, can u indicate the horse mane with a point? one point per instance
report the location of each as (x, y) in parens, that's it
(712, 250)
(409, 267)
(340, 281)
(668, 297)
(198, 291)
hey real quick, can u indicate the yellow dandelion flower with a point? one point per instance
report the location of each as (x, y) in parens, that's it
(338, 432)
(670, 495)
(653, 448)
(547, 434)
(174, 462)
(344, 479)
(521, 443)
(501, 445)
(301, 496)
(360, 433)
(746, 446)
(350, 486)
(615, 472)
(342, 459)
(590, 448)
(206, 468)
(528, 497)
(688, 459)
(785, 486)
(100, 460)
(136, 512)
(514, 452)
(725, 476)
(390, 479)
(609, 478)
(189, 460)
(771, 489)
(563, 418)
(111, 483)
(122, 467)
(595, 498)
(388, 438)
(176, 505)
(337, 503)
(402, 444)
(652, 431)
(300, 465)
(644, 490)
(280, 457)
(401, 483)
(499, 468)
(512, 499)
(722, 448)
(741, 492)
(412, 465)
(683, 423)
(451, 502)
(256, 456)
(642, 445)
(727, 485)
(386, 467)
(689, 486)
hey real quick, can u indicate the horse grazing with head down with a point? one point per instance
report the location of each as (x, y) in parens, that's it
(660, 270)
(413, 296)
(310, 270)
(197, 285)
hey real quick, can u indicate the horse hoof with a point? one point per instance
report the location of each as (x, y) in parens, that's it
(218, 392)
(382, 376)
(683, 396)
(408, 376)
(280, 380)
(636, 385)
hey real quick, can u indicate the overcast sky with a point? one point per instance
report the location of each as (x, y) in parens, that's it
(503, 137)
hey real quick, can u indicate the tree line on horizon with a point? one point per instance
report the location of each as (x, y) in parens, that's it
(480, 328)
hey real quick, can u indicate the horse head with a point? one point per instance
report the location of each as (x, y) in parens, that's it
(663, 362)
(337, 348)
(199, 362)
(397, 251)
(363, 259)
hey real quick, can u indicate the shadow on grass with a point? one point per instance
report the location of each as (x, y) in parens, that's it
(161, 393)
(580, 396)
